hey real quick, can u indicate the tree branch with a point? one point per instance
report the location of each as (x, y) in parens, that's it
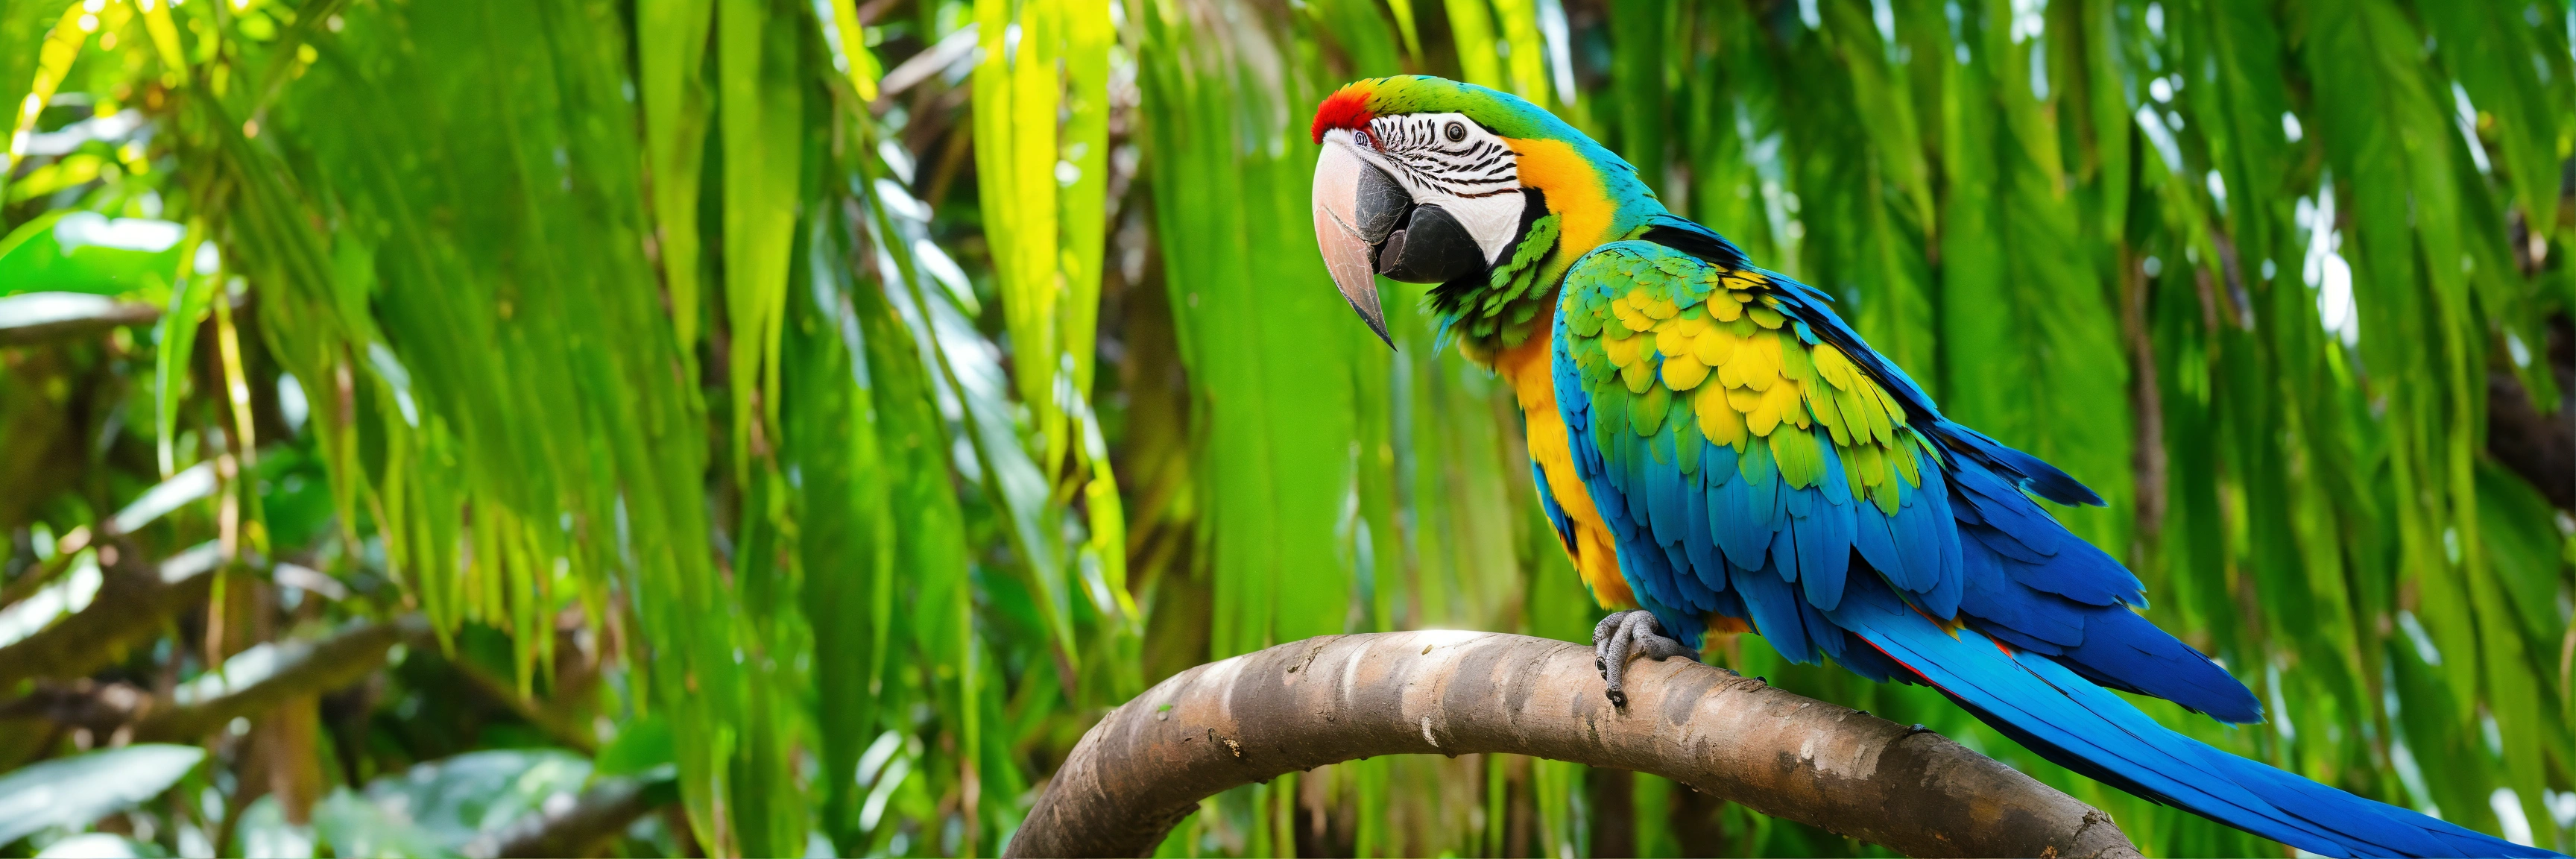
(251, 684)
(292, 668)
(585, 826)
(41, 317)
(134, 595)
(1336, 698)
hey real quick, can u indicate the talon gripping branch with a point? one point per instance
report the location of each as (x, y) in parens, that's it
(1718, 450)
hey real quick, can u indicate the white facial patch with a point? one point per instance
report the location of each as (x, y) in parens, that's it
(1447, 160)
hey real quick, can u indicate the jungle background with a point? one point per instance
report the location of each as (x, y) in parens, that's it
(752, 427)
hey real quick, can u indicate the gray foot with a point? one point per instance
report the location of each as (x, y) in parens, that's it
(1626, 635)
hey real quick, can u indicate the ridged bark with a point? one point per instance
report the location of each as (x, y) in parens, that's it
(1335, 698)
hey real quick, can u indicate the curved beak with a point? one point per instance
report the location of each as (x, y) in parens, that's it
(1356, 207)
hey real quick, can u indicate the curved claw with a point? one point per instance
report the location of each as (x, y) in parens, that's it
(1624, 636)
(1600, 636)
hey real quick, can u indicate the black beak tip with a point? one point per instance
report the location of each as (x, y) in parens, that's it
(1376, 324)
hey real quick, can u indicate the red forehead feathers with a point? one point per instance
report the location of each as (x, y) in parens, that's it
(1346, 108)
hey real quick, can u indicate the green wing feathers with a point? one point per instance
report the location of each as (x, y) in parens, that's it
(1668, 342)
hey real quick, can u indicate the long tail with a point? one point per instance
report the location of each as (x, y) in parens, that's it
(2085, 728)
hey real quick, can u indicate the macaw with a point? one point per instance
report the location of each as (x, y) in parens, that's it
(1720, 452)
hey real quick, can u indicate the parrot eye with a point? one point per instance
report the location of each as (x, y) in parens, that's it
(1457, 131)
(1361, 136)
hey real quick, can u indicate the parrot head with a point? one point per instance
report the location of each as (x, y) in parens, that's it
(1426, 180)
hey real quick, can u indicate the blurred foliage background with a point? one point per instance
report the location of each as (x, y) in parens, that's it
(748, 427)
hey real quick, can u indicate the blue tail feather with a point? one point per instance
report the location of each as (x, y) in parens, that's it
(2084, 727)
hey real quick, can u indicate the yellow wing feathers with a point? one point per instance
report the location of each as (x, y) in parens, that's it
(1684, 334)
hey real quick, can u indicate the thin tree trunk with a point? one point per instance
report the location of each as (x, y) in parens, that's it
(1335, 698)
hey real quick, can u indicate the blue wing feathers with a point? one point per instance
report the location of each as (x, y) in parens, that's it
(1920, 531)
(1664, 507)
(2003, 543)
(1741, 521)
(2133, 655)
(1642, 475)
(2034, 474)
(2013, 609)
(2026, 526)
(1876, 544)
(1953, 569)
(1799, 504)
(1705, 559)
(1775, 608)
(2050, 621)
(2047, 556)
(1784, 555)
(1824, 553)
(1836, 490)
(1718, 464)
(1698, 524)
